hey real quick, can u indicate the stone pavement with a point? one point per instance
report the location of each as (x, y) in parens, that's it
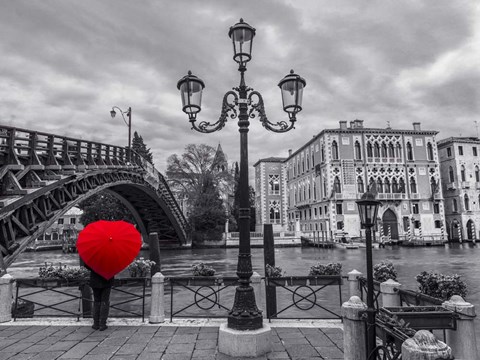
(127, 342)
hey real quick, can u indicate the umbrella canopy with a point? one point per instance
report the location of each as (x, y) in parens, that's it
(108, 247)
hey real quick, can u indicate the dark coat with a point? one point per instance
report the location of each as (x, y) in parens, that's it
(97, 281)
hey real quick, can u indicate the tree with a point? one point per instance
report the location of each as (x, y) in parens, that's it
(104, 206)
(200, 176)
(140, 148)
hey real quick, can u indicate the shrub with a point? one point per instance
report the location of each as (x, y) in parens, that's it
(441, 286)
(202, 270)
(140, 267)
(384, 271)
(274, 271)
(329, 269)
(63, 272)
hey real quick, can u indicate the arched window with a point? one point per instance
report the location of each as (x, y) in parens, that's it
(308, 162)
(324, 187)
(398, 151)
(462, 173)
(336, 185)
(314, 191)
(477, 174)
(454, 205)
(433, 185)
(394, 186)
(409, 151)
(274, 212)
(379, 185)
(387, 186)
(369, 149)
(413, 186)
(322, 153)
(451, 175)
(313, 160)
(467, 202)
(384, 150)
(391, 151)
(376, 150)
(334, 150)
(429, 151)
(401, 186)
(360, 187)
(358, 151)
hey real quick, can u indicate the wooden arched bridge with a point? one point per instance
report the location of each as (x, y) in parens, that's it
(44, 175)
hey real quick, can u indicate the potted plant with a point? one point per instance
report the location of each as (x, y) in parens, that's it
(140, 267)
(203, 275)
(274, 271)
(423, 317)
(441, 286)
(384, 271)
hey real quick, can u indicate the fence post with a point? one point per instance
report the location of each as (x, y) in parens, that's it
(6, 293)
(463, 340)
(425, 346)
(257, 289)
(269, 259)
(390, 294)
(354, 329)
(354, 282)
(157, 304)
(154, 249)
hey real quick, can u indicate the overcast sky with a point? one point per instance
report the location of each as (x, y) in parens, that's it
(64, 64)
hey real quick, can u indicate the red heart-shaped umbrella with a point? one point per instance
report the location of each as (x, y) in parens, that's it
(108, 247)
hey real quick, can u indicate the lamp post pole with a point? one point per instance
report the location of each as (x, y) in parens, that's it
(244, 314)
(368, 209)
(129, 124)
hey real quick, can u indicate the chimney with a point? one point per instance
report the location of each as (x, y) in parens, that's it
(358, 124)
(289, 152)
(343, 125)
(416, 126)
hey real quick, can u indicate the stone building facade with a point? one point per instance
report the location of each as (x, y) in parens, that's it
(270, 194)
(460, 173)
(327, 175)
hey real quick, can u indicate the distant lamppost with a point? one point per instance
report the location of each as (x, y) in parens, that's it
(244, 314)
(368, 209)
(129, 124)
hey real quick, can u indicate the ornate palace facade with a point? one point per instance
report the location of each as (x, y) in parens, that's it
(325, 177)
(460, 171)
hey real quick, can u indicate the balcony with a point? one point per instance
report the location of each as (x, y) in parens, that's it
(465, 185)
(451, 186)
(477, 185)
(391, 196)
(415, 196)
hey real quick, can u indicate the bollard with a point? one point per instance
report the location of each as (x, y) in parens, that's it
(157, 305)
(354, 334)
(390, 295)
(257, 289)
(463, 340)
(425, 346)
(354, 282)
(6, 293)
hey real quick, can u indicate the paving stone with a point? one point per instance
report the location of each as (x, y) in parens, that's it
(37, 348)
(187, 330)
(290, 341)
(183, 339)
(177, 357)
(278, 355)
(278, 347)
(205, 344)
(114, 341)
(97, 357)
(209, 329)
(79, 350)
(50, 340)
(76, 336)
(22, 356)
(102, 350)
(17, 347)
(207, 335)
(160, 340)
(221, 356)
(61, 346)
(130, 349)
(330, 352)
(7, 342)
(123, 357)
(147, 330)
(166, 330)
(47, 355)
(179, 348)
(204, 353)
(150, 356)
(155, 348)
(6, 355)
(319, 340)
(301, 351)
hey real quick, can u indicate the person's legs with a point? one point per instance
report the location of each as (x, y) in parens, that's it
(104, 308)
(97, 300)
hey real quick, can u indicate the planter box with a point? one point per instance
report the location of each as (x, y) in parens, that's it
(390, 335)
(424, 317)
(204, 281)
(305, 280)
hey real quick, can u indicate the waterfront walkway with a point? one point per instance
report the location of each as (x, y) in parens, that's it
(181, 340)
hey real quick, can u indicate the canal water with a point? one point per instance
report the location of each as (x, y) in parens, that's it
(462, 259)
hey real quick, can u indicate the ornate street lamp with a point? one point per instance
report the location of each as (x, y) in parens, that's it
(244, 314)
(129, 124)
(368, 209)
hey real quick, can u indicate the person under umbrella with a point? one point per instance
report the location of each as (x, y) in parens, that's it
(106, 248)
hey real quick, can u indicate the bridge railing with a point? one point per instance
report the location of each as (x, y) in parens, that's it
(26, 147)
